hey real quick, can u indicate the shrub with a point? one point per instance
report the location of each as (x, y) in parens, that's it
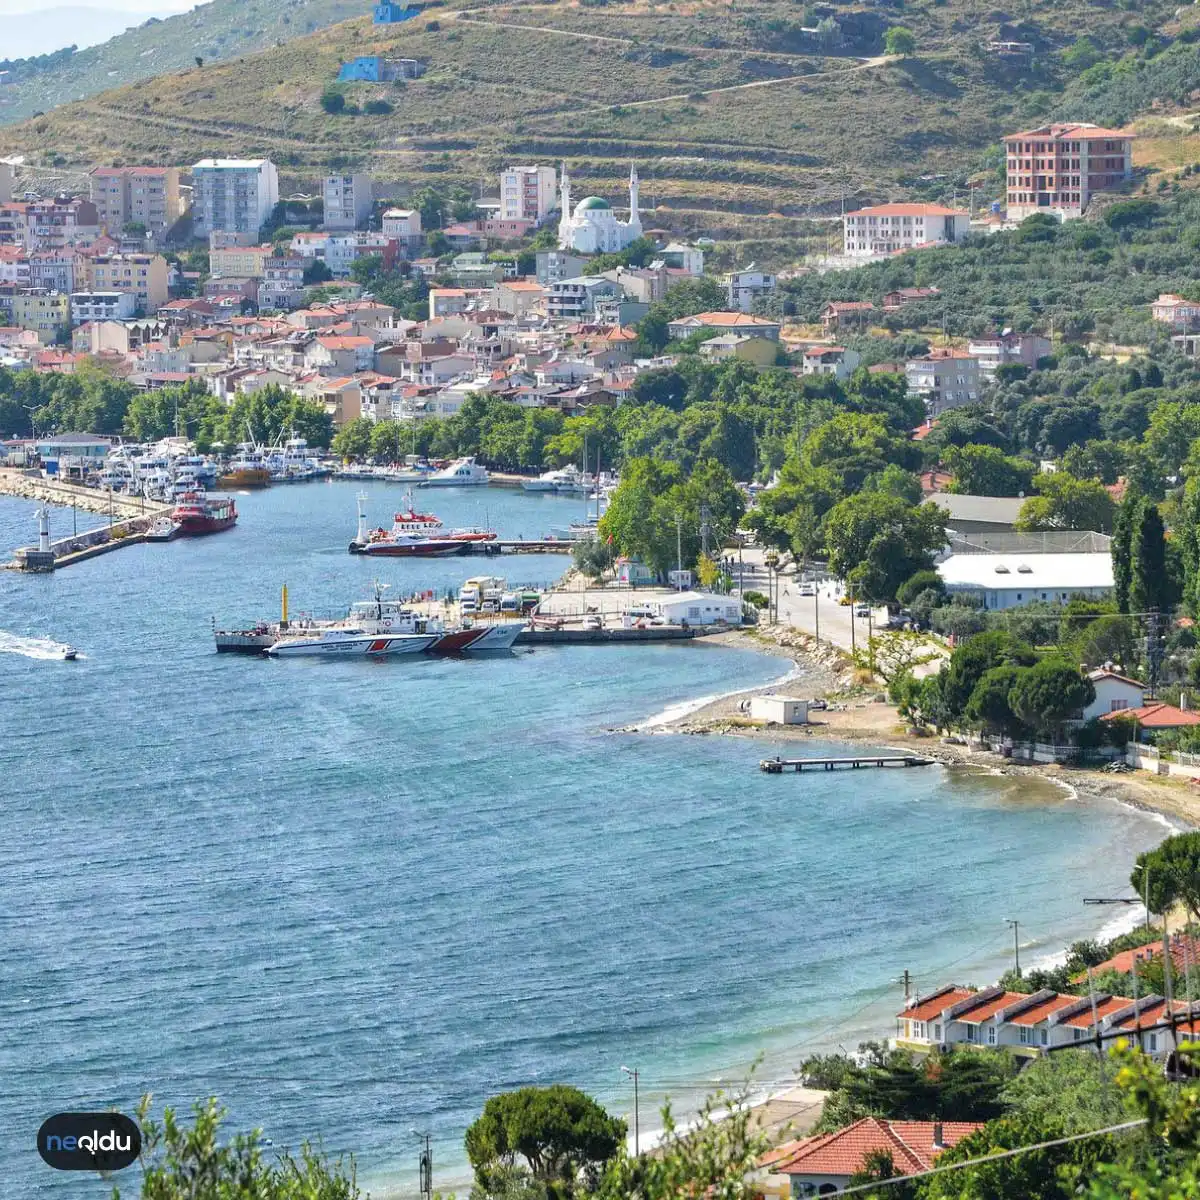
(756, 598)
(333, 102)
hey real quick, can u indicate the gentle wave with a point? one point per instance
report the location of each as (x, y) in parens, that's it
(676, 712)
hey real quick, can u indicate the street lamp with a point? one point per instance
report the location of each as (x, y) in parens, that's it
(632, 1072)
(1016, 925)
(426, 1165)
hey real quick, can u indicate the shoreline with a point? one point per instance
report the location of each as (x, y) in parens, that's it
(855, 715)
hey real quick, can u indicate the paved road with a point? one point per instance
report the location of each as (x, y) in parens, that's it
(820, 614)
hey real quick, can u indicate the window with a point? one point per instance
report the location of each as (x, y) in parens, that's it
(1025, 1032)
(1045, 1036)
(1077, 1035)
(991, 1035)
(1117, 705)
(972, 1031)
(937, 1032)
(1153, 1042)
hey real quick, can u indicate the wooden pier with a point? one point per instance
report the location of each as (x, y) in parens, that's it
(777, 766)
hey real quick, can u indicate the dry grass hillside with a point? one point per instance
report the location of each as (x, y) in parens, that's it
(742, 120)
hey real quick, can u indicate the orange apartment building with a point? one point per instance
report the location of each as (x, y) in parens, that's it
(1057, 169)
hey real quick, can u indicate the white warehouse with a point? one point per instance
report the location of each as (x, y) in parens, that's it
(1010, 580)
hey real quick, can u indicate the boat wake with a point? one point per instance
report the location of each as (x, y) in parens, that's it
(29, 647)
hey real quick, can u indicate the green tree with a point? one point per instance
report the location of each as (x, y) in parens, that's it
(1122, 549)
(182, 1162)
(333, 102)
(1048, 693)
(559, 1131)
(987, 471)
(353, 440)
(1174, 874)
(899, 41)
(1067, 503)
(876, 542)
(988, 707)
(714, 1156)
(914, 585)
(1149, 584)
(973, 658)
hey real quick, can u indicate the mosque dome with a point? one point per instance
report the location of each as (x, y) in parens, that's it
(591, 203)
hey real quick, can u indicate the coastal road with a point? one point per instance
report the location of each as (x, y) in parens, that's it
(821, 614)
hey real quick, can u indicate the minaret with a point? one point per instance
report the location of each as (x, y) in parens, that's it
(564, 230)
(635, 220)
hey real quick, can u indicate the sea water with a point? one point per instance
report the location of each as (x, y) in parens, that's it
(354, 899)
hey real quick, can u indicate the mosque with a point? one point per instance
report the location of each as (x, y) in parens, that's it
(593, 227)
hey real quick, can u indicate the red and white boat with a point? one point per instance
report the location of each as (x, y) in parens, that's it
(198, 513)
(413, 535)
(382, 628)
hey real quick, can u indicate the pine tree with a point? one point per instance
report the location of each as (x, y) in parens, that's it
(1122, 536)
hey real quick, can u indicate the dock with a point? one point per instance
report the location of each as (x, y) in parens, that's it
(522, 546)
(777, 766)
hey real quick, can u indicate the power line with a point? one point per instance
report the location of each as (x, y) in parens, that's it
(987, 1158)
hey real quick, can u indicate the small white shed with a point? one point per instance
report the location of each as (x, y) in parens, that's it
(779, 710)
(697, 608)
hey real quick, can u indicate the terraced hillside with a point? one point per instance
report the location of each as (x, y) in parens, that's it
(743, 117)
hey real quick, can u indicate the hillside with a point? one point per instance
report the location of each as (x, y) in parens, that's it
(220, 30)
(743, 118)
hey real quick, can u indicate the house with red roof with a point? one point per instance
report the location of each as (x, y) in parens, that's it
(823, 1164)
(1155, 716)
(840, 315)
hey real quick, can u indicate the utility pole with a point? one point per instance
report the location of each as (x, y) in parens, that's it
(705, 528)
(632, 1072)
(853, 647)
(678, 552)
(907, 980)
(426, 1165)
(1016, 925)
(817, 620)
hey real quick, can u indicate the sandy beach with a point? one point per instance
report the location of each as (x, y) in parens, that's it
(858, 714)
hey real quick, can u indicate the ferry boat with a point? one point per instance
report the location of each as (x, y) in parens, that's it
(380, 628)
(197, 514)
(412, 545)
(463, 472)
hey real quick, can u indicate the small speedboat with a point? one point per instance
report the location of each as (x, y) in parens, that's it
(70, 654)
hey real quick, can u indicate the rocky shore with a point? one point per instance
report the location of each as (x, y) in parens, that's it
(30, 487)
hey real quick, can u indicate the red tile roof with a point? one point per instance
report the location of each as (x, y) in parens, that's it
(928, 1007)
(1039, 1012)
(1184, 947)
(910, 1144)
(989, 1008)
(1155, 715)
(1104, 1008)
(1078, 131)
(908, 210)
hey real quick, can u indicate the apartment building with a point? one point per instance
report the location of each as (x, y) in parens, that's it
(48, 314)
(1008, 349)
(102, 306)
(147, 196)
(1057, 169)
(403, 224)
(56, 270)
(744, 287)
(888, 228)
(528, 193)
(348, 201)
(62, 221)
(283, 283)
(143, 275)
(944, 379)
(233, 195)
(239, 262)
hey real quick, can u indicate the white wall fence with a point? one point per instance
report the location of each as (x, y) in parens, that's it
(1047, 752)
(1174, 763)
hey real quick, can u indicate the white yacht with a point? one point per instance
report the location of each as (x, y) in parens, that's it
(463, 472)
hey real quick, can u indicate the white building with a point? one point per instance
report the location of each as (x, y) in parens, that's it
(944, 379)
(830, 360)
(744, 287)
(102, 306)
(1002, 581)
(573, 299)
(233, 195)
(697, 608)
(348, 201)
(1114, 693)
(527, 193)
(593, 228)
(554, 265)
(886, 228)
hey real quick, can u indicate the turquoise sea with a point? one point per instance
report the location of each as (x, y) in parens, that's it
(353, 899)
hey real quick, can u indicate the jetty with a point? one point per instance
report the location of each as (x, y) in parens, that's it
(777, 766)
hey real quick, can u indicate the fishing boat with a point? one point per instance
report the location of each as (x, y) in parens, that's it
(197, 514)
(248, 469)
(463, 472)
(70, 654)
(162, 530)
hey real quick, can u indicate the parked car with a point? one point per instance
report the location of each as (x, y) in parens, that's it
(862, 610)
(592, 622)
(808, 589)
(817, 705)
